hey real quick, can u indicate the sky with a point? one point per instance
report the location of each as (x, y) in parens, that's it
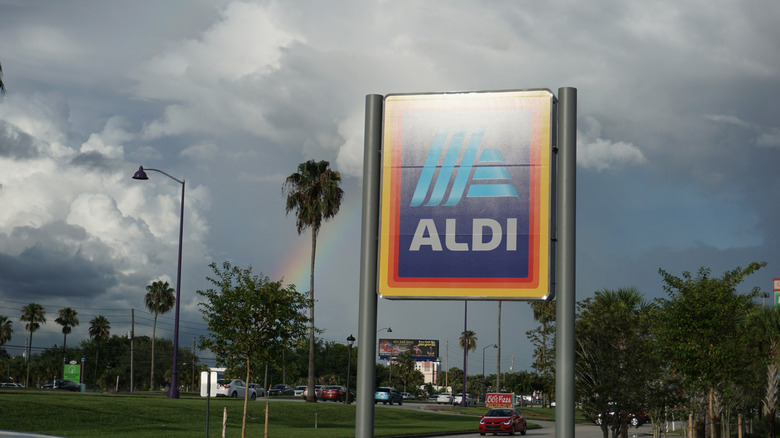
(678, 144)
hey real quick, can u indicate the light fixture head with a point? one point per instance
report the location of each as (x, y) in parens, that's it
(351, 340)
(140, 174)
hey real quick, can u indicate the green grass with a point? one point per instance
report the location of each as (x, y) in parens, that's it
(98, 415)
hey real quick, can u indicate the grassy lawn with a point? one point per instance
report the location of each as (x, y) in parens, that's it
(99, 415)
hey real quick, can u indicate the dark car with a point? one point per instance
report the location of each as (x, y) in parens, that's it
(503, 420)
(65, 385)
(388, 395)
(634, 419)
(281, 389)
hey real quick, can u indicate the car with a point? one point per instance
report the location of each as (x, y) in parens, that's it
(432, 399)
(317, 392)
(503, 420)
(67, 385)
(281, 389)
(388, 395)
(234, 388)
(335, 393)
(634, 419)
(259, 390)
(445, 398)
(11, 385)
(408, 396)
(298, 390)
(457, 399)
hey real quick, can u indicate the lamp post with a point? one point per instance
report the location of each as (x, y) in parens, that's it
(350, 341)
(484, 394)
(173, 391)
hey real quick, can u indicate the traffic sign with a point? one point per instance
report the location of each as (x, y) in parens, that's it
(465, 196)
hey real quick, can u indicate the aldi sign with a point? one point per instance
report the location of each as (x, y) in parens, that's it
(465, 196)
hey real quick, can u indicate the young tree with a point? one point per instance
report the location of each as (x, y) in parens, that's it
(99, 330)
(250, 318)
(6, 329)
(34, 315)
(543, 339)
(612, 347)
(314, 193)
(765, 325)
(159, 299)
(704, 334)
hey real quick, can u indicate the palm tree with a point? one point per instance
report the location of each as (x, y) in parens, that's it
(767, 329)
(314, 193)
(67, 319)
(159, 298)
(6, 329)
(468, 340)
(99, 329)
(34, 315)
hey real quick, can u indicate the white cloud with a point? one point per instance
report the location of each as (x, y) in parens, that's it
(350, 158)
(109, 141)
(770, 139)
(597, 153)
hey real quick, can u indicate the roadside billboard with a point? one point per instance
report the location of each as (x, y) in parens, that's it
(466, 196)
(418, 349)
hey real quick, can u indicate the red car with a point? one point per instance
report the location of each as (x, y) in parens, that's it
(335, 393)
(502, 420)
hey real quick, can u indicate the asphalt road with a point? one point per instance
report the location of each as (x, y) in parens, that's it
(548, 430)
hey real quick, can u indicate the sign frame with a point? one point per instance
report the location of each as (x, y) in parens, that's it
(402, 273)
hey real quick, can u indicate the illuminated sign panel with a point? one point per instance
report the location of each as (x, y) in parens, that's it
(465, 196)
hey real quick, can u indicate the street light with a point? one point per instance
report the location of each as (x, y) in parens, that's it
(350, 341)
(173, 391)
(483, 366)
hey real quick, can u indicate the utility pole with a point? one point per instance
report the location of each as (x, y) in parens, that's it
(132, 340)
(498, 365)
(447, 366)
(193, 362)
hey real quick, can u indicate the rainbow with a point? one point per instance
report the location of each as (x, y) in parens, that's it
(337, 236)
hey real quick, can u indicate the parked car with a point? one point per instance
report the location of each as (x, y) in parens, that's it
(281, 389)
(11, 385)
(503, 420)
(634, 419)
(335, 393)
(445, 398)
(298, 391)
(388, 395)
(234, 388)
(317, 392)
(408, 396)
(457, 399)
(66, 385)
(259, 390)
(432, 399)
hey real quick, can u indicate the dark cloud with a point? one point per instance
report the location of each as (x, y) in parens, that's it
(15, 143)
(93, 161)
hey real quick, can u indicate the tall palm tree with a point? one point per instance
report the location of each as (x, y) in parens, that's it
(68, 318)
(99, 329)
(314, 193)
(34, 315)
(160, 298)
(6, 329)
(767, 328)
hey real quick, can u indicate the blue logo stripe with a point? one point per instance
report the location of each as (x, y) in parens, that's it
(492, 191)
(469, 156)
(450, 159)
(491, 155)
(429, 168)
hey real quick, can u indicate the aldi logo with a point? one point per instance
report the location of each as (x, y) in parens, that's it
(465, 196)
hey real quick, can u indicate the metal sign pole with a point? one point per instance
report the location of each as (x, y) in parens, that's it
(364, 414)
(565, 290)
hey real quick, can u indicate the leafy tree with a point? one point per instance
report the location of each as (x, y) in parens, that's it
(705, 337)
(6, 329)
(250, 318)
(765, 325)
(33, 315)
(314, 193)
(99, 329)
(612, 346)
(159, 299)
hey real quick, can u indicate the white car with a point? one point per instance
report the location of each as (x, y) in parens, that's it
(470, 401)
(234, 388)
(299, 390)
(444, 398)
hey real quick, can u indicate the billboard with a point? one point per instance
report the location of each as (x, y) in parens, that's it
(418, 349)
(465, 196)
(500, 400)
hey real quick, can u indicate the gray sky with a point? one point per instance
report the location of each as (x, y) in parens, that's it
(678, 144)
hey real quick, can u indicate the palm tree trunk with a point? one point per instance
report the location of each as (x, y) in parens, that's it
(97, 350)
(312, 397)
(154, 335)
(29, 350)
